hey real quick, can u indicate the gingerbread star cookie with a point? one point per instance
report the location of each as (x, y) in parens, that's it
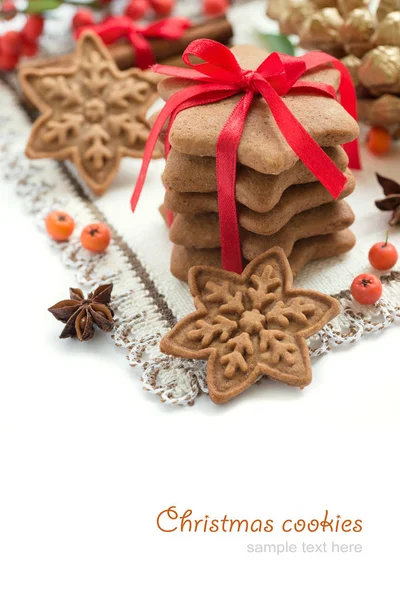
(91, 112)
(250, 325)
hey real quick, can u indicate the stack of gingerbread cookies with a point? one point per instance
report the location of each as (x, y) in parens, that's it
(279, 201)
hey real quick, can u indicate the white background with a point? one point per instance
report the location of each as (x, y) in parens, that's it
(88, 460)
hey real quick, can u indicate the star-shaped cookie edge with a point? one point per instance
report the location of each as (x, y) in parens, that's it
(168, 344)
(72, 153)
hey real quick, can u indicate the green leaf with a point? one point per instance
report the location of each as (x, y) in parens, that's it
(276, 42)
(40, 6)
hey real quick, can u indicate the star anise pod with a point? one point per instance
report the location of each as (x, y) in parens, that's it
(80, 314)
(392, 201)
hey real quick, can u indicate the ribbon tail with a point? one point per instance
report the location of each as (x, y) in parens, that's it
(348, 98)
(349, 102)
(144, 56)
(147, 154)
(210, 97)
(227, 145)
(179, 101)
(305, 147)
(353, 152)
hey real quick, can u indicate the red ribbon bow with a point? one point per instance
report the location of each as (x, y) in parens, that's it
(113, 29)
(220, 76)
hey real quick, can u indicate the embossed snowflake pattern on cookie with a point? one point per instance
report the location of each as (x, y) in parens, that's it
(250, 325)
(91, 112)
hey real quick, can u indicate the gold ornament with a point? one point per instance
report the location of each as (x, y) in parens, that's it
(352, 63)
(322, 30)
(387, 6)
(379, 71)
(357, 30)
(294, 15)
(275, 8)
(388, 31)
(346, 6)
(383, 111)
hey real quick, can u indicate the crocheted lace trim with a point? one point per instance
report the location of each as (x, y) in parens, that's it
(142, 313)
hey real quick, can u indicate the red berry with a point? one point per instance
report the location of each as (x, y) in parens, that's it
(366, 288)
(215, 7)
(8, 10)
(7, 6)
(82, 18)
(95, 237)
(29, 48)
(137, 9)
(379, 140)
(162, 8)
(10, 43)
(8, 62)
(383, 256)
(60, 225)
(33, 28)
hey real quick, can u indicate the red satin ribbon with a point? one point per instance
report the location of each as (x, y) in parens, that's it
(219, 76)
(113, 29)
